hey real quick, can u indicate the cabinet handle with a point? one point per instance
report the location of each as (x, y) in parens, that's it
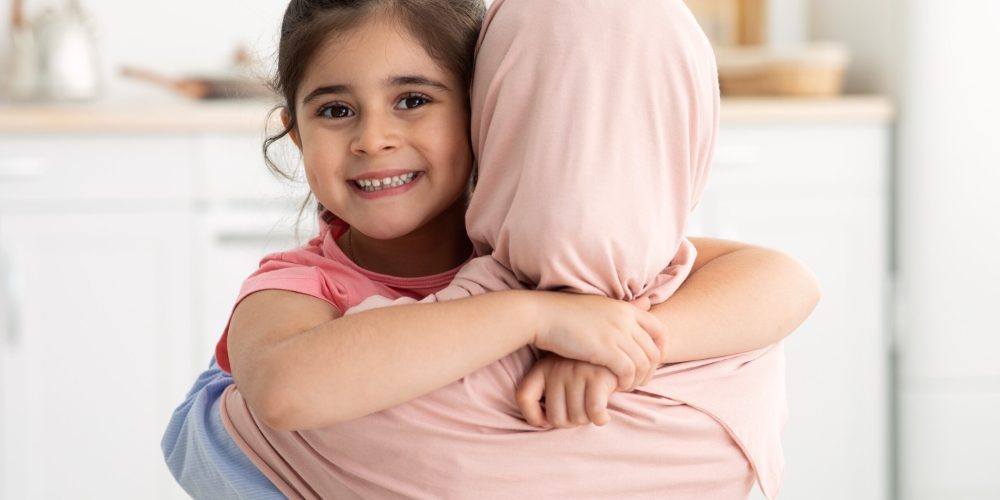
(8, 307)
(17, 169)
(229, 238)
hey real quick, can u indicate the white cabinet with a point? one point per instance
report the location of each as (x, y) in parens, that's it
(95, 346)
(95, 342)
(819, 192)
(120, 257)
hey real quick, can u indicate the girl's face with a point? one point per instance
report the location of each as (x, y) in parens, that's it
(383, 131)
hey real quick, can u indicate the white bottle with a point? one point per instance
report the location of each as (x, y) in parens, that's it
(67, 48)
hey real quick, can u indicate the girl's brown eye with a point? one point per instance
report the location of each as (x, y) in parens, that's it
(413, 101)
(335, 111)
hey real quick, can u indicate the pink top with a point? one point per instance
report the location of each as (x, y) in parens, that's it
(321, 269)
(594, 123)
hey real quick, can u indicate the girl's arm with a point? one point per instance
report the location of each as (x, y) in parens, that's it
(737, 298)
(300, 365)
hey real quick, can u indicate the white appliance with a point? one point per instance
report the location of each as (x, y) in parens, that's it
(948, 212)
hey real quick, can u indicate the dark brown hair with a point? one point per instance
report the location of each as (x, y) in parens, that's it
(447, 29)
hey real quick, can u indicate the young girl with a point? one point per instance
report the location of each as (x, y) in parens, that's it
(381, 100)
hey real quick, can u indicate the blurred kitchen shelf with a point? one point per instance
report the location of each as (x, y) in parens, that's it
(792, 110)
(179, 116)
(248, 116)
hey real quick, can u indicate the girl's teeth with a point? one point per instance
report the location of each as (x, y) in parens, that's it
(370, 185)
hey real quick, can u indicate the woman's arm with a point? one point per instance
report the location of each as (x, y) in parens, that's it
(737, 298)
(300, 365)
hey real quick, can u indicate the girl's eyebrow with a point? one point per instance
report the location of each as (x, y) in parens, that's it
(392, 81)
(398, 81)
(328, 89)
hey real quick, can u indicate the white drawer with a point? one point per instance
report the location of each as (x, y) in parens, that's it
(84, 167)
(789, 156)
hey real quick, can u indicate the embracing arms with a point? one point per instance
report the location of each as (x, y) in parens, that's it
(300, 365)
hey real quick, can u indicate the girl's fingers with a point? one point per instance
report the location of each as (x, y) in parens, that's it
(529, 395)
(624, 368)
(597, 403)
(555, 405)
(657, 331)
(576, 402)
(651, 351)
(639, 359)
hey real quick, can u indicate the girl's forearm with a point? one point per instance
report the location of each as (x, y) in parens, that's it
(396, 354)
(738, 301)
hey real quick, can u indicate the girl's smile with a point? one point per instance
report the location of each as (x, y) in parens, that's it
(385, 183)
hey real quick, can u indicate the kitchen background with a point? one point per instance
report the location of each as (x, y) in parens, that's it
(857, 135)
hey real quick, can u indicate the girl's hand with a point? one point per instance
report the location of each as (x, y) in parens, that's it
(623, 337)
(576, 393)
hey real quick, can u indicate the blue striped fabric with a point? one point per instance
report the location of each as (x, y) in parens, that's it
(202, 456)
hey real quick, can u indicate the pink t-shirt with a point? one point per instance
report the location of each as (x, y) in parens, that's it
(320, 269)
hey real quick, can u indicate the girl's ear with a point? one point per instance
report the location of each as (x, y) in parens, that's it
(286, 118)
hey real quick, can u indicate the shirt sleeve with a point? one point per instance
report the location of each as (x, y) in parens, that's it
(277, 275)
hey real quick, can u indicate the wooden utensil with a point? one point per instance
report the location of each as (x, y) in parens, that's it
(202, 87)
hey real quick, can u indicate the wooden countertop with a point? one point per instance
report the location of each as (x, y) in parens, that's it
(157, 116)
(185, 116)
(785, 110)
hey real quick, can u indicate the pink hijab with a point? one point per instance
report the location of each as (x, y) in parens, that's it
(594, 123)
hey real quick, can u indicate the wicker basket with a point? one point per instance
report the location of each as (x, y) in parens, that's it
(816, 70)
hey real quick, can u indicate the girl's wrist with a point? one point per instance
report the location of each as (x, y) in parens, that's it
(524, 310)
(532, 311)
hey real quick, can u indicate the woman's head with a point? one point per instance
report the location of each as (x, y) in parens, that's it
(594, 136)
(338, 63)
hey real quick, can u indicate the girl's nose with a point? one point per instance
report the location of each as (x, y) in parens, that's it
(376, 135)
